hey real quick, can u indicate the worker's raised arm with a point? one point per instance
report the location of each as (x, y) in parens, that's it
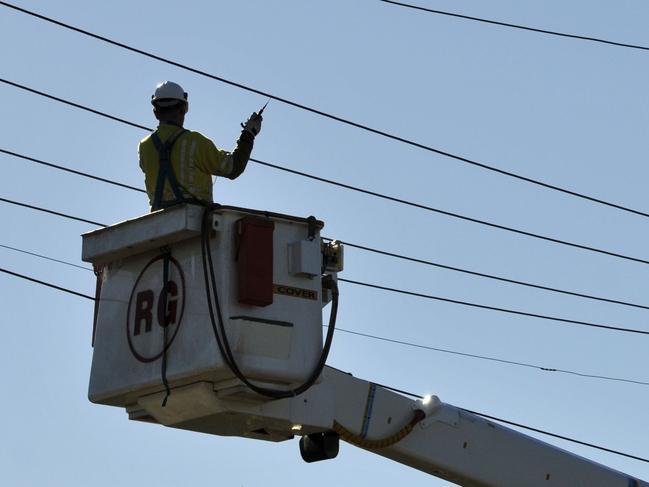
(230, 164)
(241, 154)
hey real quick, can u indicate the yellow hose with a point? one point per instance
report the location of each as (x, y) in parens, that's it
(377, 444)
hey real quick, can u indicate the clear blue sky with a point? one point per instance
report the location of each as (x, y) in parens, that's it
(568, 112)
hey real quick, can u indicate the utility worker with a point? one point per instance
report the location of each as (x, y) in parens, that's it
(178, 164)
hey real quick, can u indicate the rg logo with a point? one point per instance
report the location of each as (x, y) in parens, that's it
(146, 317)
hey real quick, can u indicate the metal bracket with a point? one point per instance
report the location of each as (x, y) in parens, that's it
(437, 412)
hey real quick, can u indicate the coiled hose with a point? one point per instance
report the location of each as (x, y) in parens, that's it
(218, 325)
(377, 444)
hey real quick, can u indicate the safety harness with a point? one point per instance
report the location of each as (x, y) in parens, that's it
(166, 173)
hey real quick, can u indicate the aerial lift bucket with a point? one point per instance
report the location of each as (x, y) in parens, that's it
(246, 280)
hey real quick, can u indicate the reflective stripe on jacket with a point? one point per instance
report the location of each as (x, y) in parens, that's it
(194, 159)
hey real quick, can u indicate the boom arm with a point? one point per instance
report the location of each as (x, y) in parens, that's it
(449, 443)
(461, 447)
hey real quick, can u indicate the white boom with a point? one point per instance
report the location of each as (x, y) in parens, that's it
(253, 364)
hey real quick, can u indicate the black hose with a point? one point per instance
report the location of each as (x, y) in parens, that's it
(220, 335)
(165, 324)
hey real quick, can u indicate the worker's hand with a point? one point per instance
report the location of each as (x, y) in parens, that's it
(253, 124)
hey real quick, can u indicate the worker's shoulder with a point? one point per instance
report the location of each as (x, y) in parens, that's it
(196, 135)
(199, 138)
(188, 134)
(145, 139)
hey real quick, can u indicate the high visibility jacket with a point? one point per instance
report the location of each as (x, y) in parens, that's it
(194, 159)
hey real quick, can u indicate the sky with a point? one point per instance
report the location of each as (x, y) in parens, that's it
(567, 112)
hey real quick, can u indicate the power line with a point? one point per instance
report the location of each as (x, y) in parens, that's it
(395, 290)
(384, 288)
(529, 428)
(52, 212)
(402, 342)
(72, 104)
(561, 437)
(400, 291)
(326, 114)
(381, 385)
(364, 247)
(391, 340)
(454, 215)
(379, 195)
(34, 254)
(73, 171)
(54, 286)
(70, 170)
(517, 26)
(385, 387)
(488, 276)
(490, 359)
(492, 308)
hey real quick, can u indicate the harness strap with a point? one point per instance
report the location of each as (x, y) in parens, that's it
(165, 171)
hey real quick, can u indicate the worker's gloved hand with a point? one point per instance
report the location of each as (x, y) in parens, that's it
(253, 124)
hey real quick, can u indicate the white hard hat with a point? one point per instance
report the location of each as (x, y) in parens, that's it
(167, 94)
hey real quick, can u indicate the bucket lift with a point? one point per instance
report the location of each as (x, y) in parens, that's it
(210, 320)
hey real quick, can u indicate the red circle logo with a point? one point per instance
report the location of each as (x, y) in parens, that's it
(146, 317)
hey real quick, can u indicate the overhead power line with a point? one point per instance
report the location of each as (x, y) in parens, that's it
(73, 171)
(402, 342)
(389, 289)
(75, 105)
(69, 291)
(368, 192)
(401, 391)
(43, 283)
(529, 428)
(490, 359)
(321, 113)
(395, 290)
(488, 276)
(561, 437)
(364, 247)
(52, 212)
(517, 26)
(454, 215)
(52, 259)
(72, 104)
(395, 341)
(493, 308)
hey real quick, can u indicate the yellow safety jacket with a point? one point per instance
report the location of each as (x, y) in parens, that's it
(193, 160)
